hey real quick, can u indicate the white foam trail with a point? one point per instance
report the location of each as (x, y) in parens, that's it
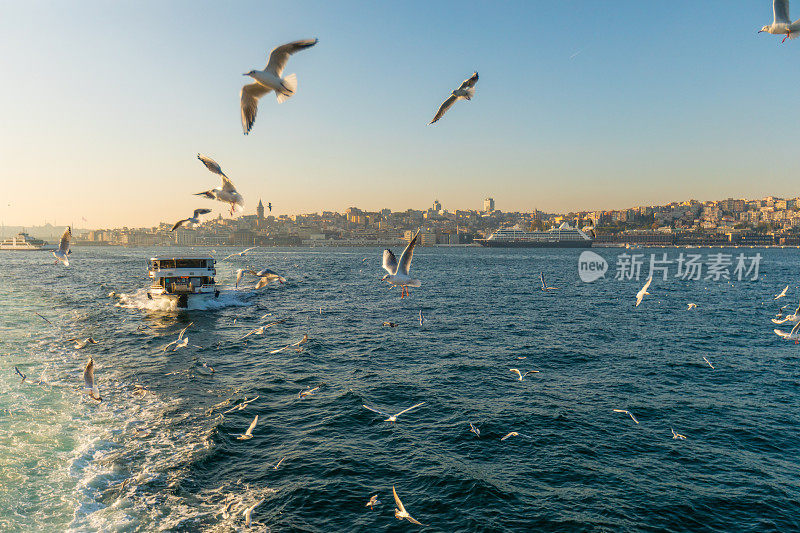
(227, 298)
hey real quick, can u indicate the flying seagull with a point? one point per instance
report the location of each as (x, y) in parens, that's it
(181, 341)
(249, 433)
(308, 392)
(298, 343)
(270, 79)
(20, 374)
(89, 384)
(63, 248)
(80, 345)
(793, 335)
(393, 418)
(521, 375)
(781, 23)
(225, 193)
(240, 254)
(641, 294)
(267, 276)
(782, 293)
(400, 512)
(269, 206)
(279, 463)
(421, 318)
(544, 284)
(691, 306)
(247, 513)
(677, 435)
(43, 318)
(466, 91)
(373, 501)
(515, 434)
(709, 362)
(627, 413)
(795, 317)
(474, 429)
(194, 219)
(398, 272)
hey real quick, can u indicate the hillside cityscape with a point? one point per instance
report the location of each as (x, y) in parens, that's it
(763, 222)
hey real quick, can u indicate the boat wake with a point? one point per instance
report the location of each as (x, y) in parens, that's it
(227, 298)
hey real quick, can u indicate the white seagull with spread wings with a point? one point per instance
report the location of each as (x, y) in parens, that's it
(393, 418)
(63, 248)
(398, 271)
(781, 23)
(465, 91)
(641, 294)
(89, 384)
(225, 193)
(194, 219)
(270, 79)
(794, 317)
(249, 433)
(400, 512)
(240, 254)
(521, 375)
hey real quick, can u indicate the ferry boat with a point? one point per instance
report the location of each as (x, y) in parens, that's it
(182, 278)
(24, 242)
(564, 236)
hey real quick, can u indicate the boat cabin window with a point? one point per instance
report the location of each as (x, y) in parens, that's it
(190, 263)
(162, 264)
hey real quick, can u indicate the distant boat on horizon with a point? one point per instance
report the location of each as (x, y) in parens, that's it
(564, 236)
(23, 242)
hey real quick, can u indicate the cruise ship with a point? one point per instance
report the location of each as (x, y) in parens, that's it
(24, 242)
(564, 236)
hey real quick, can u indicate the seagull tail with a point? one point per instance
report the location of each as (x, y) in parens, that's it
(290, 84)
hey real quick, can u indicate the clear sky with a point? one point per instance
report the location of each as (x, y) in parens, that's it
(581, 104)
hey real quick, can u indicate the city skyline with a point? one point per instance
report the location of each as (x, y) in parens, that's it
(562, 120)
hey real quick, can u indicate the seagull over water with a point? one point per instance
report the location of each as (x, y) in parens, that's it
(398, 273)
(20, 374)
(62, 254)
(240, 254)
(677, 435)
(627, 413)
(544, 284)
(225, 193)
(465, 91)
(781, 23)
(474, 429)
(793, 335)
(194, 219)
(641, 294)
(248, 513)
(400, 511)
(181, 341)
(270, 79)
(373, 501)
(521, 375)
(393, 418)
(89, 384)
(515, 434)
(249, 433)
(782, 293)
(795, 317)
(308, 392)
(709, 363)
(691, 306)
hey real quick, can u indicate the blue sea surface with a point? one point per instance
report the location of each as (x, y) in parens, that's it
(160, 452)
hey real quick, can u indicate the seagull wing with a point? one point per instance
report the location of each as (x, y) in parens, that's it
(229, 256)
(530, 372)
(210, 164)
(375, 410)
(541, 277)
(248, 249)
(795, 329)
(780, 9)
(88, 375)
(408, 254)
(797, 311)
(252, 426)
(447, 104)
(280, 55)
(201, 211)
(64, 245)
(183, 331)
(516, 371)
(469, 82)
(409, 409)
(179, 223)
(249, 104)
(397, 501)
(389, 262)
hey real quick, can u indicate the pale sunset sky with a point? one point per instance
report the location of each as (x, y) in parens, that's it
(581, 104)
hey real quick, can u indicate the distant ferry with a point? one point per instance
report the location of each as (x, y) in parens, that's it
(182, 278)
(564, 236)
(24, 242)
